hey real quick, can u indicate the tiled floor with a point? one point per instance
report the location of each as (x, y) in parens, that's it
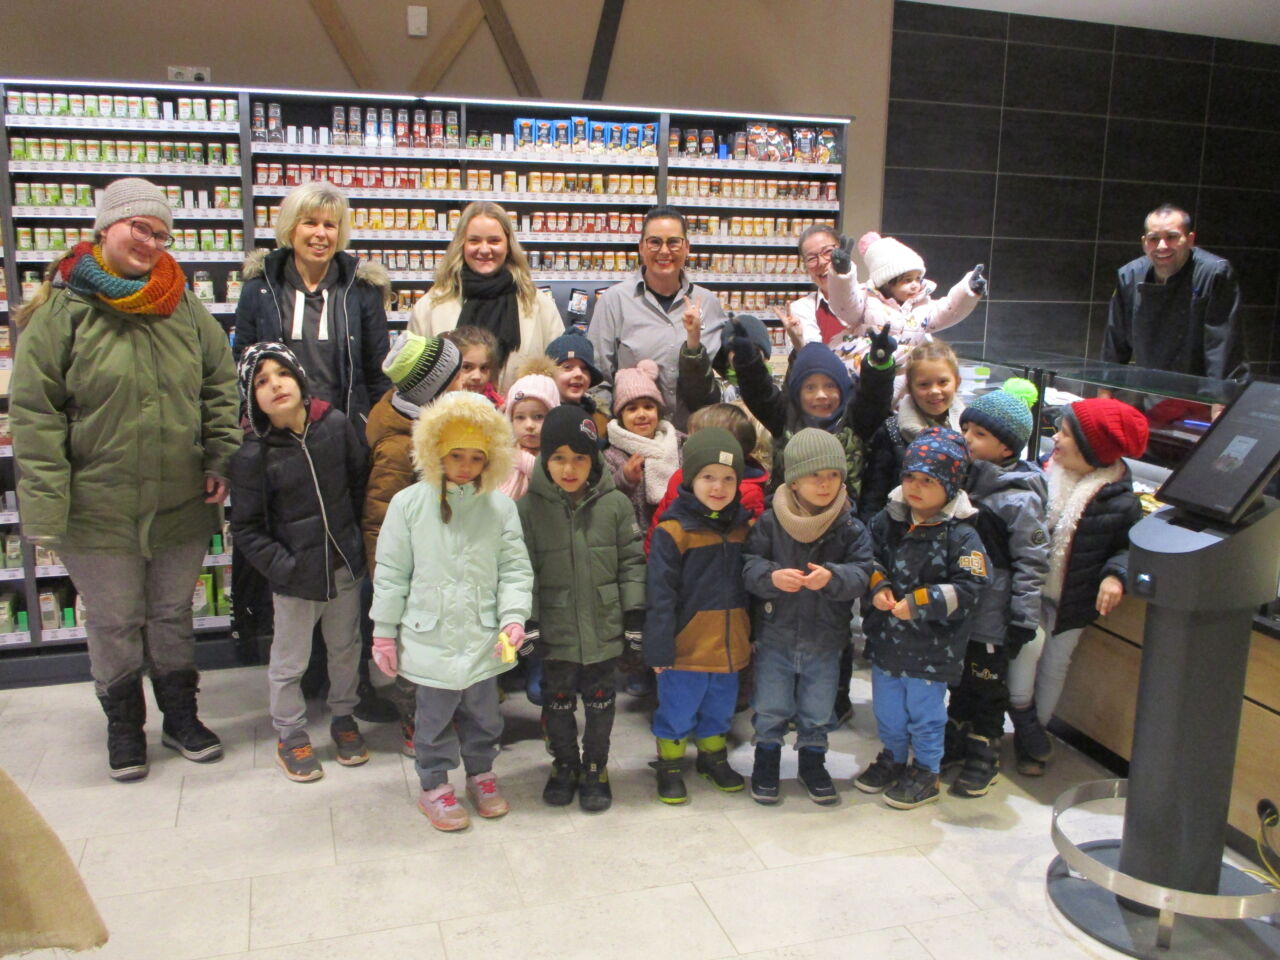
(232, 860)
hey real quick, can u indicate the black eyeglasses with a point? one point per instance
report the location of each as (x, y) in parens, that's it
(144, 234)
(655, 244)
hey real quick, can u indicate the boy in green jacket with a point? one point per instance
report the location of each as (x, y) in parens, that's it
(589, 573)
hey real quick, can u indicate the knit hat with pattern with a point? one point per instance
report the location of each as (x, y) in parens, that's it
(636, 383)
(568, 425)
(132, 197)
(247, 370)
(1004, 416)
(940, 453)
(811, 450)
(574, 346)
(711, 445)
(1106, 430)
(421, 367)
(887, 258)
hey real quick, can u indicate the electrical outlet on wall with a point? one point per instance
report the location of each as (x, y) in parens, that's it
(417, 20)
(191, 74)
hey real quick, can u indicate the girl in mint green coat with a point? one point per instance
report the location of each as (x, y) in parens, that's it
(453, 571)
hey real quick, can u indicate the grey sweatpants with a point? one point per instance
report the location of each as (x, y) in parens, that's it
(295, 621)
(138, 611)
(436, 742)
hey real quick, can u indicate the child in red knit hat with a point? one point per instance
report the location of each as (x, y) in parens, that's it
(1091, 508)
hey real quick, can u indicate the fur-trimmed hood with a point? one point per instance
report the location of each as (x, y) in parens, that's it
(371, 272)
(477, 412)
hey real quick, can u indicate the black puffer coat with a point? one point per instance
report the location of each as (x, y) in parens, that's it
(296, 503)
(1098, 548)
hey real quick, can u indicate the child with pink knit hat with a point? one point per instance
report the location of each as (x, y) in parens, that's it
(529, 401)
(898, 294)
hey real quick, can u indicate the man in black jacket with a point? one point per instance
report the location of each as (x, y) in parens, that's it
(1176, 307)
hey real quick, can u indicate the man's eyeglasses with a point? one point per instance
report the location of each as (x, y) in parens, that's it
(1171, 237)
(655, 244)
(144, 234)
(822, 256)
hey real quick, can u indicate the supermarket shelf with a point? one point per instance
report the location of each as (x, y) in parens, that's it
(217, 560)
(121, 123)
(220, 308)
(4, 306)
(183, 256)
(461, 153)
(466, 196)
(8, 516)
(51, 570)
(444, 236)
(62, 633)
(126, 169)
(546, 276)
(399, 316)
(754, 166)
(6, 450)
(211, 623)
(15, 639)
(12, 573)
(756, 203)
(88, 213)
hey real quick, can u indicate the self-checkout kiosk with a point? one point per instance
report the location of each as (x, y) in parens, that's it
(1204, 564)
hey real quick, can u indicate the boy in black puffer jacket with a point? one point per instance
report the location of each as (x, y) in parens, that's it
(1010, 495)
(807, 561)
(1091, 507)
(298, 488)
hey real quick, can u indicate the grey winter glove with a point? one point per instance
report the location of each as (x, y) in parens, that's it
(842, 256)
(977, 282)
(882, 346)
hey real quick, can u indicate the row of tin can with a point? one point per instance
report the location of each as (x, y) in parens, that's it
(752, 188)
(84, 195)
(67, 150)
(63, 238)
(46, 103)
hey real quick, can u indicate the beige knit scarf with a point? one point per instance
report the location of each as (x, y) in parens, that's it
(1069, 496)
(801, 525)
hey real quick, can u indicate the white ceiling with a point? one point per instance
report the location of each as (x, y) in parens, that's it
(1257, 20)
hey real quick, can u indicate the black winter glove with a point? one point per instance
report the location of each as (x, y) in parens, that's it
(977, 282)
(744, 349)
(1016, 638)
(633, 629)
(842, 255)
(532, 634)
(882, 347)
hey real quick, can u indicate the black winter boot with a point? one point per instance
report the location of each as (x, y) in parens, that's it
(953, 751)
(764, 774)
(183, 731)
(594, 793)
(713, 764)
(981, 767)
(1031, 741)
(126, 711)
(561, 784)
(372, 707)
(814, 776)
(669, 768)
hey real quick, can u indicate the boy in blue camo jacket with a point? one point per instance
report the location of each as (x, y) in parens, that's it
(930, 569)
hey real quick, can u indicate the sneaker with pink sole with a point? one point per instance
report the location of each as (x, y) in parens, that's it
(442, 808)
(483, 791)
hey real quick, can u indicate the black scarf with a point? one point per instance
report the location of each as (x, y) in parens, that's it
(490, 303)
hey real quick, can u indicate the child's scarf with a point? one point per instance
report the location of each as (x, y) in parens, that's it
(661, 455)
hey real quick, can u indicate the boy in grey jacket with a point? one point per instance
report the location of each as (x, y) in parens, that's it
(807, 560)
(1010, 496)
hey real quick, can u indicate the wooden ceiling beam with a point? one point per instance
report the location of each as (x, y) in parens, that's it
(344, 41)
(470, 16)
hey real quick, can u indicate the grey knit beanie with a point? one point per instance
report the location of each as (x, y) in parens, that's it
(811, 450)
(132, 197)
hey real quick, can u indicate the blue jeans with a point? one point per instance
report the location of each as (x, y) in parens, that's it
(910, 714)
(691, 703)
(794, 684)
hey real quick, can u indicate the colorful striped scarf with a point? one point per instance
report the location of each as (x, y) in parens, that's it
(85, 272)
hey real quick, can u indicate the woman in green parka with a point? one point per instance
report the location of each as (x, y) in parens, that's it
(124, 416)
(589, 576)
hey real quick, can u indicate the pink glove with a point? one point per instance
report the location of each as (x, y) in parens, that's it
(384, 655)
(515, 633)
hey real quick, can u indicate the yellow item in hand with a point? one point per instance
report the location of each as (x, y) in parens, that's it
(508, 648)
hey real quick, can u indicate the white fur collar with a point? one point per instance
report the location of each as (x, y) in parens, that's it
(1069, 495)
(911, 421)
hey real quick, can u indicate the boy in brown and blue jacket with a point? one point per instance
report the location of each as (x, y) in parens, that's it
(697, 631)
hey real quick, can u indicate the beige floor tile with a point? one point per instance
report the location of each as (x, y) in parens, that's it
(326, 902)
(258, 791)
(1005, 932)
(628, 857)
(109, 808)
(384, 830)
(62, 697)
(839, 897)
(85, 764)
(206, 853)
(420, 942)
(894, 943)
(20, 761)
(633, 926)
(183, 923)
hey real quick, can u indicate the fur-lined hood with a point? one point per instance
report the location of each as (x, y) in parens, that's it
(478, 412)
(371, 272)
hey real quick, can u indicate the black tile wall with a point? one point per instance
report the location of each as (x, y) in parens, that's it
(1037, 145)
